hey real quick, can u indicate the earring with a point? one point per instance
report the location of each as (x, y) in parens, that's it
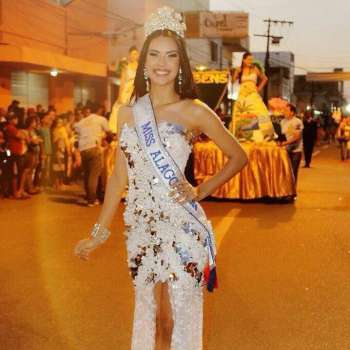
(180, 80)
(145, 75)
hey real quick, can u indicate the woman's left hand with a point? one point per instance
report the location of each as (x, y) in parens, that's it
(183, 192)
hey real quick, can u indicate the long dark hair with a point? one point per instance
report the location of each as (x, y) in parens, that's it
(188, 87)
(245, 55)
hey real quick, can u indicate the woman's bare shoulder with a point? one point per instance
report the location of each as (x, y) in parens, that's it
(199, 108)
(198, 112)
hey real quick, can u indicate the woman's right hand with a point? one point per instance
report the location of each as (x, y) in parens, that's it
(85, 247)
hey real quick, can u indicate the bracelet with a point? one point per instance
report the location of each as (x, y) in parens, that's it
(100, 233)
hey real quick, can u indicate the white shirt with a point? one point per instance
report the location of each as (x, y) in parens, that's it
(90, 131)
(289, 127)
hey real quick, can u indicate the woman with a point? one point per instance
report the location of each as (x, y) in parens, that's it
(343, 137)
(32, 156)
(62, 150)
(167, 248)
(126, 86)
(249, 111)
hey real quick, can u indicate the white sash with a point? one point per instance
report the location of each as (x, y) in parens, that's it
(166, 168)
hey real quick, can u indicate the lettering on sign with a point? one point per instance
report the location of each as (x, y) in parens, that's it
(211, 77)
(223, 24)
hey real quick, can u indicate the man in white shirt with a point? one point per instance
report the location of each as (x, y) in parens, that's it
(292, 129)
(90, 131)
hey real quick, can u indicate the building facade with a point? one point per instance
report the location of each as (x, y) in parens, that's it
(323, 96)
(43, 58)
(281, 75)
(58, 52)
(62, 52)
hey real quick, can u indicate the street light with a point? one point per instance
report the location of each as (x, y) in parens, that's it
(201, 67)
(54, 72)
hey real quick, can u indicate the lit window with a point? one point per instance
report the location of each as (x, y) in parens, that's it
(61, 2)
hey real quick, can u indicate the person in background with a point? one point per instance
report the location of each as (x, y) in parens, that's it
(32, 156)
(78, 114)
(343, 137)
(16, 139)
(90, 131)
(14, 107)
(70, 121)
(5, 167)
(31, 112)
(39, 109)
(46, 150)
(3, 119)
(52, 115)
(309, 137)
(292, 128)
(127, 77)
(249, 105)
(61, 151)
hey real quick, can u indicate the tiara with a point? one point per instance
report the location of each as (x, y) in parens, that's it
(165, 18)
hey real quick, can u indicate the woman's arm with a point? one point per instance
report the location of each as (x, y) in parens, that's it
(206, 121)
(117, 182)
(115, 188)
(211, 125)
(236, 74)
(263, 80)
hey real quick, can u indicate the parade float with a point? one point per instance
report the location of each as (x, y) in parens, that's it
(268, 174)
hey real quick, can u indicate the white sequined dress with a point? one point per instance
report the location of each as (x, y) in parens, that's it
(164, 245)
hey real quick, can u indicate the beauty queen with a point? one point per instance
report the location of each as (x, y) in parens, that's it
(170, 243)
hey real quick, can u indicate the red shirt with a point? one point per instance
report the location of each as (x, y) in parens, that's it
(14, 143)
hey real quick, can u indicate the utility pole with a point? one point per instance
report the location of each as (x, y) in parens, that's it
(275, 40)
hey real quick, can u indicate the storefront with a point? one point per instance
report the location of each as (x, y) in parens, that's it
(34, 76)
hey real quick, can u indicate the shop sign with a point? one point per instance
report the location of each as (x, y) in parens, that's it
(223, 24)
(211, 77)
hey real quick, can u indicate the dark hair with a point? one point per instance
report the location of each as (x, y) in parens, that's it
(55, 122)
(292, 108)
(308, 114)
(245, 55)
(30, 120)
(11, 115)
(94, 107)
(132, 48)
(188, 89)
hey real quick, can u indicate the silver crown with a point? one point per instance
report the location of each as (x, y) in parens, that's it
(165, 18)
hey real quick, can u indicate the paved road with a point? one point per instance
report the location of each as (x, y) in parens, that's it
(284, 273)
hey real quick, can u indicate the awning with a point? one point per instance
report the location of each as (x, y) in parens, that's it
(31, 56)
(331, 76)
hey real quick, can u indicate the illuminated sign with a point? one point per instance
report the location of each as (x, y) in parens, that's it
(211, 77)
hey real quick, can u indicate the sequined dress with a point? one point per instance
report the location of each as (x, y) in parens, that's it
(163, 244)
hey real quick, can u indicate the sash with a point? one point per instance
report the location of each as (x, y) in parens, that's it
(169, 173)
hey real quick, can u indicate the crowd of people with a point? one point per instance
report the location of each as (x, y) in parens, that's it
(40, 150)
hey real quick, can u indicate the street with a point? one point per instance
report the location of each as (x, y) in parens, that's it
(283, 272)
